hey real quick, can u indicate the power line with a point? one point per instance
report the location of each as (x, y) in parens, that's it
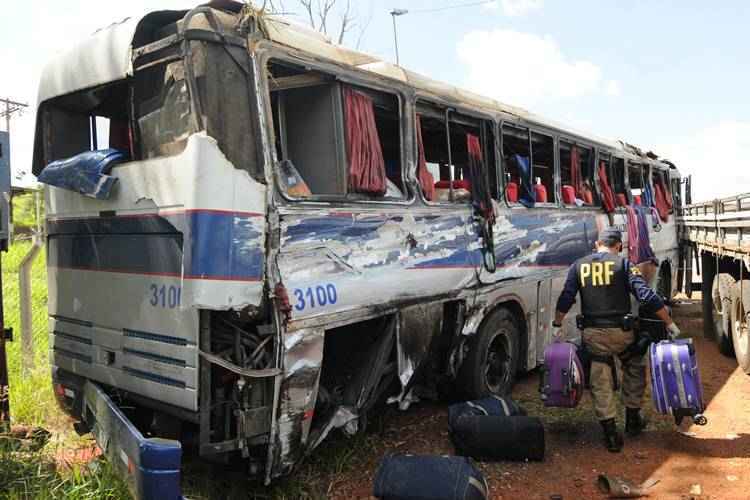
(456, 6)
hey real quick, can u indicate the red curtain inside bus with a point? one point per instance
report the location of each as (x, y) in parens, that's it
(426, 180)
(366, 164)
(662, 199)
(608, 196)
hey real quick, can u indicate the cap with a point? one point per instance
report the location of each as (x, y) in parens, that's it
(610, 236)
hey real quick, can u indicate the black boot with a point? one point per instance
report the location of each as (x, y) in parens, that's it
(612, 438)
(634, 422)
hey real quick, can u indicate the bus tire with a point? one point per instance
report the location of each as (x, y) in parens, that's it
(721, 296)
(708, 273)
(740, 325)
(491, 364)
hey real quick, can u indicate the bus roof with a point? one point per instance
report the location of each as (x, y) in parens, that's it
(105, 57)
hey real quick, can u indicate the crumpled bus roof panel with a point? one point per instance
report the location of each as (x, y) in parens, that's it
(106, 57)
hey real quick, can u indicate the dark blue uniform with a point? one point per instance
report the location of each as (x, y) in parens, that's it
(636, 285)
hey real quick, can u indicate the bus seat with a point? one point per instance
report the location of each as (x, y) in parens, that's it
(457, 184)
(622, 201)
(511, 192)
(637, 199)
(588, 197)
(540, 193)
(568, 195)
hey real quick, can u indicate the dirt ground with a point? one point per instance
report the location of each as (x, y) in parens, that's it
(697, 463)
(710, 462)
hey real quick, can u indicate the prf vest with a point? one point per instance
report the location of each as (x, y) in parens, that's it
(604, 288)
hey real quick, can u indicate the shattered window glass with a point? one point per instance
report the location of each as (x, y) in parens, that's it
(162, 106)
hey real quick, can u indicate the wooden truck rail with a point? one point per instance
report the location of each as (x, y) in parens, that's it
(719, 231)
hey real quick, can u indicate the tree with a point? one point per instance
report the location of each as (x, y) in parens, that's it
(335, 18)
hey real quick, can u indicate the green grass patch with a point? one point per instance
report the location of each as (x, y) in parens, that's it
(39, 475)
(31, 398)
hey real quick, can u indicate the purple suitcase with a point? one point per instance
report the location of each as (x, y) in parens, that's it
(675, 381)
(562, 378)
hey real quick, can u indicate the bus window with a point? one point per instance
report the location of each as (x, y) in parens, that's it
(543, 169)
(84, 121)
(617, 180)
(447, 150)
(577, 174)
(529, 158)
(516, 157)
(335, 139)
(676, 192)
(635, 180)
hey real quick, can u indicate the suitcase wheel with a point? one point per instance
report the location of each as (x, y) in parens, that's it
(700, 419)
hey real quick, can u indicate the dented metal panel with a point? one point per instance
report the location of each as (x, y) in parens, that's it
(179, 234)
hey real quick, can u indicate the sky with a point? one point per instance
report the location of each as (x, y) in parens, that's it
(668, 76)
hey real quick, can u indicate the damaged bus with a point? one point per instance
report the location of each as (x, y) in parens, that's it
(254, 236)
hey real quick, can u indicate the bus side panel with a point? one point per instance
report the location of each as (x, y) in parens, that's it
(334, 262)
(128, 275)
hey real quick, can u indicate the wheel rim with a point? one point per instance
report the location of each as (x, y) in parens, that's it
(497, 370)
(740, 327)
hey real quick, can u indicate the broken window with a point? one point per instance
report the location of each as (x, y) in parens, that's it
(517, 166)
(335, 139)
(635, 180)
(162, 110)
(543, 167)
(617, 180)
(577, 174)
(676, 192)
(83, 121)
(455, 145)
(529, 160)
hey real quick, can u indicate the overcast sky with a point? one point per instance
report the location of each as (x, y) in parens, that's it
(668, 76)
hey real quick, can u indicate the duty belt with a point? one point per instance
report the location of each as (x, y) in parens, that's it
(626, 322)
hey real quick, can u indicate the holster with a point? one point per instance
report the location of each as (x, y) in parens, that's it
(586, 357)
(639, 347)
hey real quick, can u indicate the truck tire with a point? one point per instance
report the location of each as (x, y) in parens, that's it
(721, 296)
(708, 273)
(740, 325)
(491, 364)
(664, 282)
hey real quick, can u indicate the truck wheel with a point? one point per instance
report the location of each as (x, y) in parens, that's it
(708, 273)
(492, 361)
(721, 296)
(664, 282)
(740, 326)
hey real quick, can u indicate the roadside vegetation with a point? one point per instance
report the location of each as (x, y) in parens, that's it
(53, 467)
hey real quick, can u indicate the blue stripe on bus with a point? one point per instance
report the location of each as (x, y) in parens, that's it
(216, 245)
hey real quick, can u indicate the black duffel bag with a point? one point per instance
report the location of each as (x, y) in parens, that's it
(496, 406)
(498, 438)
(428, 477)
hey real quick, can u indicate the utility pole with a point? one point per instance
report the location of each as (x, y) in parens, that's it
(11, 107)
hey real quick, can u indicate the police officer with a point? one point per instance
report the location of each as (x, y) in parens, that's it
(605, 281)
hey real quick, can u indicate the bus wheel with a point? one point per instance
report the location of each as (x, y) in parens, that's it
(721, 296)
(492, 361)
(740, 326)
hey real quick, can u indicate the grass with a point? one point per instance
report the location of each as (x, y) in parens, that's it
(42, 474)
